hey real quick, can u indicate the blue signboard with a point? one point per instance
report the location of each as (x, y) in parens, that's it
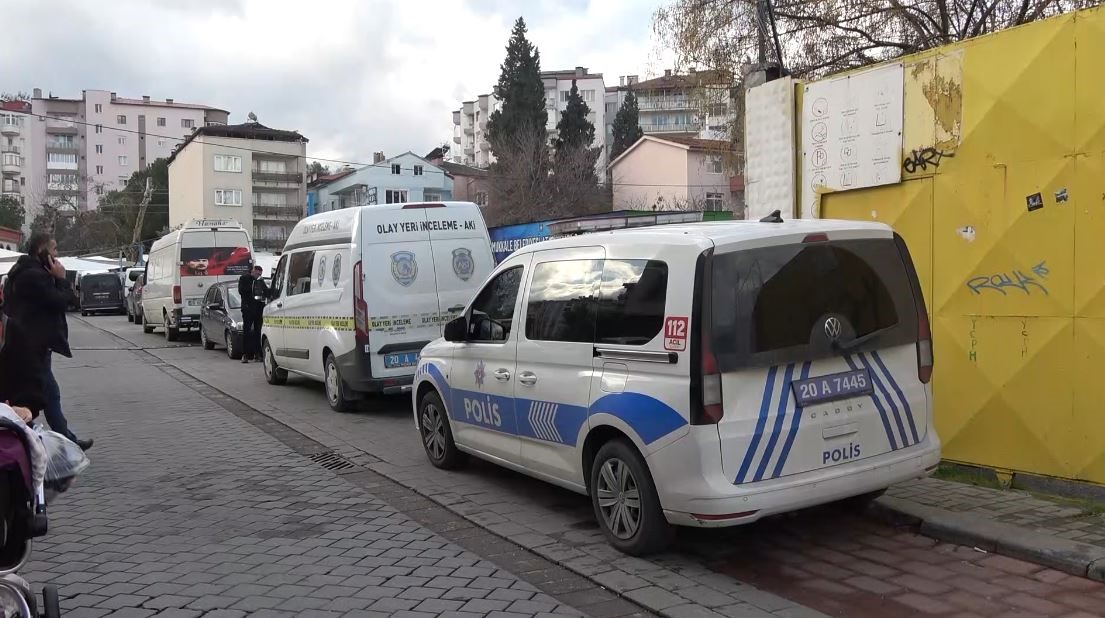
(510, 238)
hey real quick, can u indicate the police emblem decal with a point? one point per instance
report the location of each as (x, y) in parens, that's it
(321, 269)
(404, 268)
(336, 274)
(463, 265)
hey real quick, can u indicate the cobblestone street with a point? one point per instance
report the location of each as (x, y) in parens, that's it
(182, 488)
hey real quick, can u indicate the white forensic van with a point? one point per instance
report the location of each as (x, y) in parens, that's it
(359, 291)
(704, 374)
(183, 264)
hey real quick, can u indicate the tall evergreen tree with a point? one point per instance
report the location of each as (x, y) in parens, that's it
(574, 130)
(627, 126)
(521, 92)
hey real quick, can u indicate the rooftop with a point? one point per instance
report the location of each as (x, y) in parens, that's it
(693, 79)
(165, 103)
(247, 130)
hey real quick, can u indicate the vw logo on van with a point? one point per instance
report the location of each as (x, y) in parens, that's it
(832, 328)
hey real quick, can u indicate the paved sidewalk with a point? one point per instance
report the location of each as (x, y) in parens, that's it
(188, 510)
(1010, 522)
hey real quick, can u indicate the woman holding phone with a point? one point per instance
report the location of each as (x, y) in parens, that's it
(36, 296)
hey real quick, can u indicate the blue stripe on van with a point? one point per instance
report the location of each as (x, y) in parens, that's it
(780, 417)
(901, 395)
(651, 418)
(795, 422)
(876, 377)
(765, 405)
(878, 406)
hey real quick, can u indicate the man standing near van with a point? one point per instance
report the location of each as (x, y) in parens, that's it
(254, 295)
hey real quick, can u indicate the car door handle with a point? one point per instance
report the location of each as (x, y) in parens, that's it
(456, 308)
(528, 378)
(502, 375)
(280, 304)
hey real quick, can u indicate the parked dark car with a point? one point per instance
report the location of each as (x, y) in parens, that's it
(102, 292)
(221, 319)
(134, 300)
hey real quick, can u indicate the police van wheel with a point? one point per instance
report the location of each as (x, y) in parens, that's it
(273, 373)
(625, 501)
(437, 435)
(146, 326)
(335, 387)
(171, 334)
(205, 340)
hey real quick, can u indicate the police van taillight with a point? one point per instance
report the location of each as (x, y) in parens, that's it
(706, 396)
(360, 307)
(924, 329)
(177, 297)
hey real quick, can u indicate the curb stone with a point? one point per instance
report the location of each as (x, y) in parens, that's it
(1073, 557)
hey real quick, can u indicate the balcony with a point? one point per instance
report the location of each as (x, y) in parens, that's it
(483, 124)
(277, 213)
(469, 129)
(663, 104)
(677, 127)
(12, 195)
(268, 244)
(469, 150)
(456, 139)
(10, 129)
(292, 177)
(60, 126)
(11, 163)
(61, 147)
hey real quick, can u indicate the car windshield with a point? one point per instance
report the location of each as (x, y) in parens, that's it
(234, 298)
(102, 283)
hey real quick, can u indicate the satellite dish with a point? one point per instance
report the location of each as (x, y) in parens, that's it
(252, 117)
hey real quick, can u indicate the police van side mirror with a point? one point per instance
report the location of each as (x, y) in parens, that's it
(456, 330)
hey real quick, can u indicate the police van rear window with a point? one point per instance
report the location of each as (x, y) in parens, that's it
(769, 305)
(101, 283)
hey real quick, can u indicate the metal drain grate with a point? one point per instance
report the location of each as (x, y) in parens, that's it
(332, 461)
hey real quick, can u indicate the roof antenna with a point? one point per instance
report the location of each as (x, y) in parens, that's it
(774, 217)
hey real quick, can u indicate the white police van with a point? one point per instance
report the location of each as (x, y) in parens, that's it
(701, 375)
(359, 291)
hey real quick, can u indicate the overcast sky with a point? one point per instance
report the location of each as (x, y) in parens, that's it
(353, 76)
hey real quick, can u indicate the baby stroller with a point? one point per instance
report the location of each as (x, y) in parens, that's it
(32, 462)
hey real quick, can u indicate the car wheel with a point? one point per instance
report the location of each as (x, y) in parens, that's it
(205, 340)
(233, 346)
(625, 501)
(273, 373)
(437, 435)
(335, 387)
(171, 334)
(84, 314)
(146, 326)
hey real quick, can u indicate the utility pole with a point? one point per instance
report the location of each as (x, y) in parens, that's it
(137, 236)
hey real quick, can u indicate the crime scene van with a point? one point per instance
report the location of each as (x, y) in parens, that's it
(183, 264)
(359, 291)
(703, 374)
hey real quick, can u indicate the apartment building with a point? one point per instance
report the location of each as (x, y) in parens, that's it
(696, 104)
(13, 148)
(247, 172)
(394, 180)
(78, 149)
(470, 142)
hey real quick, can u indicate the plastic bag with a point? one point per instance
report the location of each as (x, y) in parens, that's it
(64, 459)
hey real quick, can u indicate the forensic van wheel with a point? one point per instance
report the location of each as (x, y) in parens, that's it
(233, 349)
(273, 373)
(146, 326)
(205, 340)
(171, 334)
(335, 387)
(437, 435)
(625, 501)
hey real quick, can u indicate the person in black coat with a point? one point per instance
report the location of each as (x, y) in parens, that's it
(254, 295)
(36, 296)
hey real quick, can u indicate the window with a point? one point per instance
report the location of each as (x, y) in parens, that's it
(99, 128)
(588, 95)
(160, 121)
(269, 166)
(611, 108)
(99, 169)
(121, 119)
(228, 197)
(481, 198)
(493, 310)
(718, 109)
(228, 163)
(715, 164)
(769, 304)
(562, 301)
(122, 160)
(278, 277)
(161, 143)
(99, 149)
(61, 159)
(122, 141)
(60, 141)
(10, 158)
(418, 170)
(62, 180)
(715, 201)
(187, 123)
(299, 272)
(99, 108)
(564, 94)
(631, 301)
(431, 196)
(395, 196)
(395, 169)
(99, 189)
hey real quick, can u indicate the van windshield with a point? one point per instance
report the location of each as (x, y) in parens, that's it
(771, 305)
(101, 283)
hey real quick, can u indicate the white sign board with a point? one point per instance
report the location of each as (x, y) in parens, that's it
(851, 133)
(769, 144)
